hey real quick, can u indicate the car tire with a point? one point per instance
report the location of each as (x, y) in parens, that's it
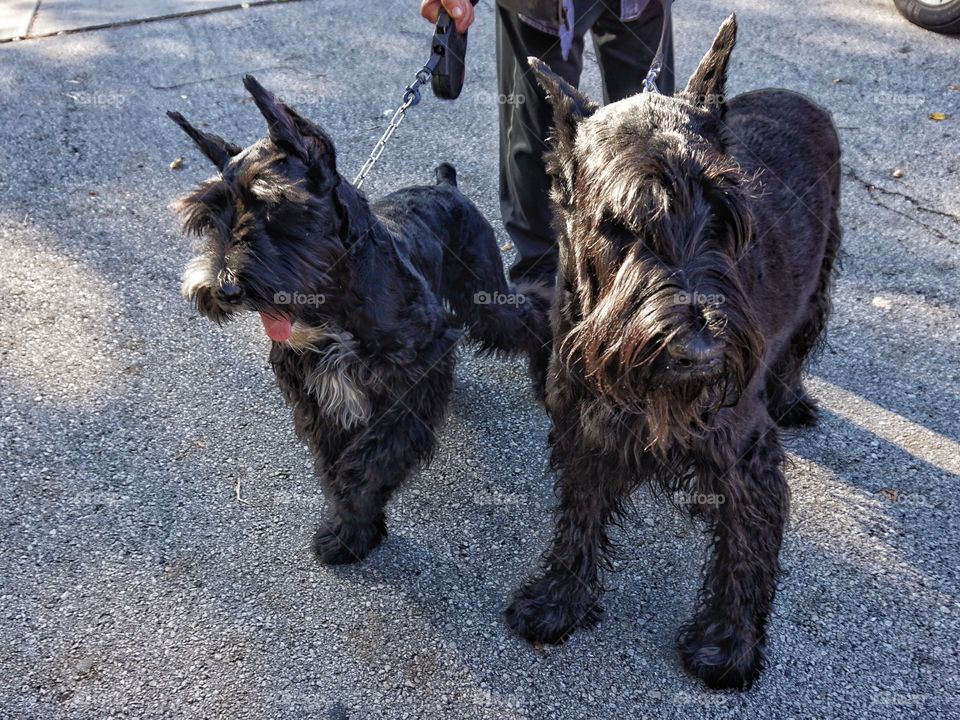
(941, 17)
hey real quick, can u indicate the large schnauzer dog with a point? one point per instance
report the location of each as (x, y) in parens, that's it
(364, 305)
(697, 239)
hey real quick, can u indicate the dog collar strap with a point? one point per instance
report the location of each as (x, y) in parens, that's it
(650, 81)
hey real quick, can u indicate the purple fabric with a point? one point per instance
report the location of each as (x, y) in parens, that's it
(629, 10)
(567, 27)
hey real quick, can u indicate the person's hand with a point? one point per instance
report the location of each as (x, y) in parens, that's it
(460, 10)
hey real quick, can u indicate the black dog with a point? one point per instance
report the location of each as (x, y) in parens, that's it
(697, 241)
(365, 305)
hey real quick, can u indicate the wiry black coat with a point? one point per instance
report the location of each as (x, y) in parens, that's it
(366, 305)
(698, 237)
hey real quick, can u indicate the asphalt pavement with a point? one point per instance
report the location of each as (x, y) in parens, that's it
(156, 510)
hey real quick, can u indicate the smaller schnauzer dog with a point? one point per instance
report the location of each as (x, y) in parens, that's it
(364, 304)
(697, 239)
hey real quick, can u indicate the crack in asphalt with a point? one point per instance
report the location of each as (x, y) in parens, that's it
(872, 190)
(215, 78)
(33, 18)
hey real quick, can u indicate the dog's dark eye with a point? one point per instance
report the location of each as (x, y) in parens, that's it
(619, 234)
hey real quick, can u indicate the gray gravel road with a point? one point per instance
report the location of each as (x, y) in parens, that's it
(135, 583)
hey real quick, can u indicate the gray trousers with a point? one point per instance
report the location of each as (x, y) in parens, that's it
(624, 51)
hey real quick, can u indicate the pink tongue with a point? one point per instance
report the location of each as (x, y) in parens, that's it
(277, 328)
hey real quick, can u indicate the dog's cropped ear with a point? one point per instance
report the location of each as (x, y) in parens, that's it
(213, 146)
(290, 131)
(570, 106)
(709, 81)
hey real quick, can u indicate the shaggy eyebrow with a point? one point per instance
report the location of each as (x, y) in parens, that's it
(617, 219)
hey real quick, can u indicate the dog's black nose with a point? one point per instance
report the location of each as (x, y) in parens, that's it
(695, 353)
(230, 292)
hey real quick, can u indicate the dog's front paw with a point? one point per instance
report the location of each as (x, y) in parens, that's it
(719, 657)
(340, 543)
(547, 611)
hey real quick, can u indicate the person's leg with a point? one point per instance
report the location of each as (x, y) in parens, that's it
(525, 121)
(625, 50)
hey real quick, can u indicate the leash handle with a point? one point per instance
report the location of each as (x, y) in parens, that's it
(650, 81)
(449, 49)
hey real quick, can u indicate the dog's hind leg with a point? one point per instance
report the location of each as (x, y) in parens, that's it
(566, 594)
(500, 317)
(377, 460)
(788, 402)
(724, 644)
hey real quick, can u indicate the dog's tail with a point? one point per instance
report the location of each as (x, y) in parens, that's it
(446, 174)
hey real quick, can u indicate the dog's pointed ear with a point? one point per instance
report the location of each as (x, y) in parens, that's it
(213, 146)
(708, 83)
(289, 130)
(570, 106)
(281, 127)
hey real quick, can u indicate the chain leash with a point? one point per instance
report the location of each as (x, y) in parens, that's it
(446, 60)
(411, 96)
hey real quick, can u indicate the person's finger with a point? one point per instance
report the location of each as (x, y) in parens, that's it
(468, 17)
(461, 11)
(430, 9)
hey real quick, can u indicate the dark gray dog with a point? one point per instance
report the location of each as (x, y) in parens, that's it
(698, 237)
(364, 304)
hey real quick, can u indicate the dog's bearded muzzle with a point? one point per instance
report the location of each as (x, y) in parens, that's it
(650, 352)
(218, 299)
(628, 370)
(221, 300)
(646, 339)
(678, 383)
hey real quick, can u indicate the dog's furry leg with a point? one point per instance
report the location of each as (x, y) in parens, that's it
(377, 460)
(500, 317)
(516, 319)
(724, 644)
(566, 594)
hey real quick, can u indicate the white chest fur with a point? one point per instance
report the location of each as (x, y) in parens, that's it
(339, 379)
